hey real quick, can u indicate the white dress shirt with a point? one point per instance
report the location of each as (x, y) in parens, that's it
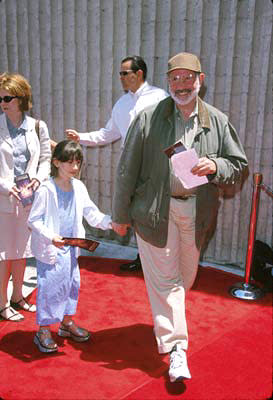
(123, 113)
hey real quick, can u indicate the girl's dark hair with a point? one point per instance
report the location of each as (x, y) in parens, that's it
(65, 150)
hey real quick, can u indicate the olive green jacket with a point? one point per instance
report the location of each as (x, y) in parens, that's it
(142, 187)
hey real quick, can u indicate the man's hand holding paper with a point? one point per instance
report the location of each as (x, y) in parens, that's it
(190, 169)
(204, 167)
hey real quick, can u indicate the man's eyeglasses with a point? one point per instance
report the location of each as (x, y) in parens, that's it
(124, 73)
(183, 79)
(7, 99)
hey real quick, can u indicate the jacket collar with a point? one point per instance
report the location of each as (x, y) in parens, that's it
(3, 122)
(27, 124)
(203, 114)
(4, 130)
(51, 185)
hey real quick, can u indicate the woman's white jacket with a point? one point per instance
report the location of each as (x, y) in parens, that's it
(39, 163)
(44, 218)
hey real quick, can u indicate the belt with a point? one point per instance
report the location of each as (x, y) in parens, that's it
(181, 197)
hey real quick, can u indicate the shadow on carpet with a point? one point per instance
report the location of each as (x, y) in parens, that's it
(228, 340)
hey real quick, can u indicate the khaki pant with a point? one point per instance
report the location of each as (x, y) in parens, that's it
(169, 272)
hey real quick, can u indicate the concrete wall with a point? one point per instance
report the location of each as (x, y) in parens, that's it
(70, 50)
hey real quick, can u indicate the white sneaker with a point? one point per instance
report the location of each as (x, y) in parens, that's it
(178, 364)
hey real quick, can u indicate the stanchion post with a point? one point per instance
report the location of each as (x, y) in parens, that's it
(245, 290)
(257, 181)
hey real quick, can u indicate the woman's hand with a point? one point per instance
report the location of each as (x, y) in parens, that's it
(58, 241)
(34, 184)
(15, 192)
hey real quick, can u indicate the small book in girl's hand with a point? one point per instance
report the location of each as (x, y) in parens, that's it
(26, 194)
(86, 244)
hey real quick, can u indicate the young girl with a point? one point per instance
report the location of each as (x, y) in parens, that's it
(57, 211)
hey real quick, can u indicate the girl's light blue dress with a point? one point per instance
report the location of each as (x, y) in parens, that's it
(58, 284)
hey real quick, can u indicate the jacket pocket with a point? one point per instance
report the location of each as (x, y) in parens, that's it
(211, 155)
(42, 251)
(144, 205)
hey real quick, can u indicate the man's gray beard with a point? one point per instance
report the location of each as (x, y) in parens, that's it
(183, 102)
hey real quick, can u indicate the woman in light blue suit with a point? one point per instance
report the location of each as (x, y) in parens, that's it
(21, 152)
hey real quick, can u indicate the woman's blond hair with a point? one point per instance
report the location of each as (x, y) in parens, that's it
(18, 86)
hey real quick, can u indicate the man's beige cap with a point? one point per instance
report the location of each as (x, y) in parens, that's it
(184, 61)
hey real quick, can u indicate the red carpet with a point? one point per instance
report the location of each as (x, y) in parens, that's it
(230, 352)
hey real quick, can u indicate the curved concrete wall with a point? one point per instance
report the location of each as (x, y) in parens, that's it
(70, 50)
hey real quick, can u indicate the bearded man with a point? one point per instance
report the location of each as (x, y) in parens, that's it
(171, 221)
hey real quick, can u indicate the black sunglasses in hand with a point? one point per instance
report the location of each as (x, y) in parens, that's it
(7, 99)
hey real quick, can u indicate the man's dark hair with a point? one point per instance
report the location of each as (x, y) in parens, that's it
(137, 63)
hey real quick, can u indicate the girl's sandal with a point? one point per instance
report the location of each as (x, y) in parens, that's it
(71, 330)
(44, 341)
